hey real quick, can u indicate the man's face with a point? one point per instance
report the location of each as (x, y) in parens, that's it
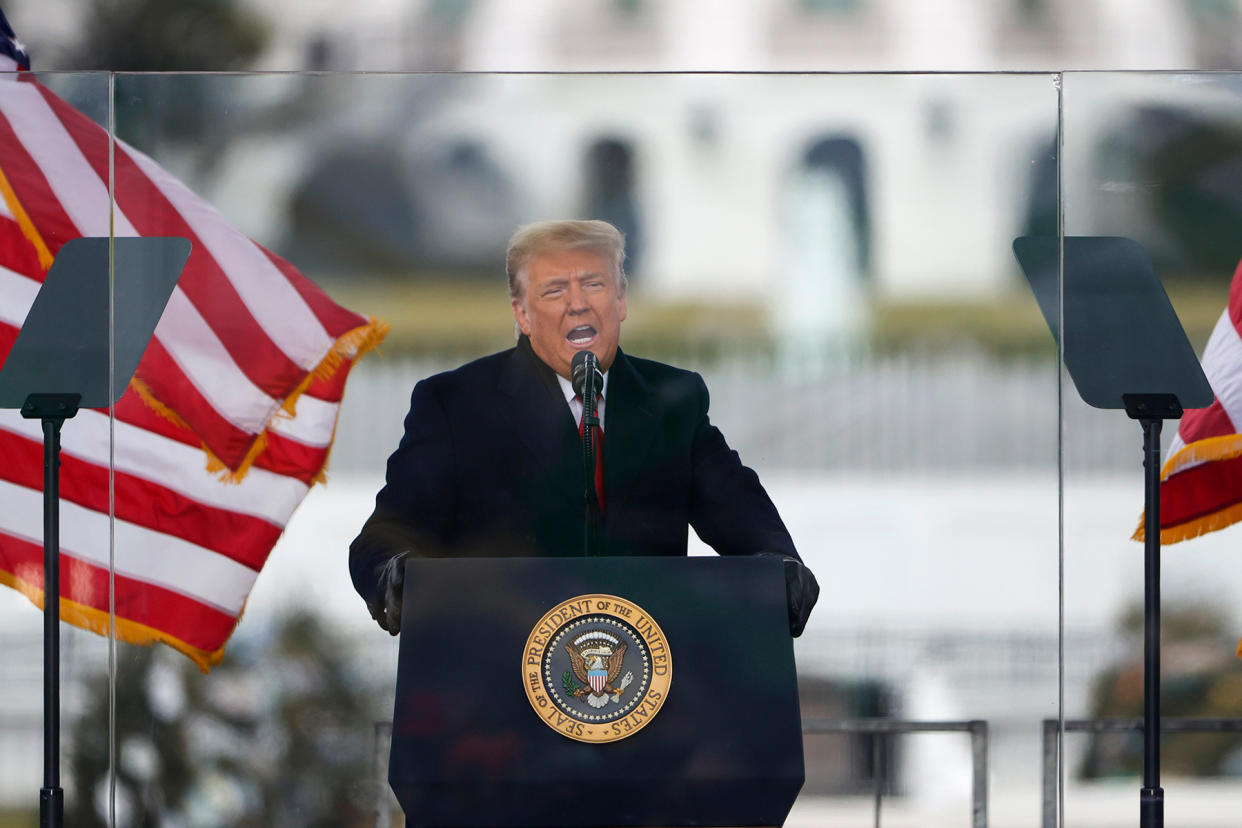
(571, 303)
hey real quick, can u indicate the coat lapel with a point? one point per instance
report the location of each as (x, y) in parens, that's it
(630, 430)
(533, 407)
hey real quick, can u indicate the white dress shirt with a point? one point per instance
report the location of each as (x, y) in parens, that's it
(575, 404)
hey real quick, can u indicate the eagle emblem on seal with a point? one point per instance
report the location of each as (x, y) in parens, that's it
(597, 658)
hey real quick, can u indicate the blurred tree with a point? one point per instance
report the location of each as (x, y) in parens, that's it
(279, 733)
(1168, 176)
(1195, 167)
(611, 194)
(158, 36)
(1201, 677)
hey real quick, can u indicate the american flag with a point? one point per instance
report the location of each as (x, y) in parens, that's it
(13, 54)
(226, 425)
(1201, 481)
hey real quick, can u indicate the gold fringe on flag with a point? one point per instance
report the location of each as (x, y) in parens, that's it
(23, 221)
(148, 396)
(352, 345)
(98, 622)
(1225, 447)
(217, 466)
(349, 345)
(214, 464)
(1194, 528)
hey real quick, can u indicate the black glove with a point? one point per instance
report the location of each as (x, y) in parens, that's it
(801, 592)
(386, 609)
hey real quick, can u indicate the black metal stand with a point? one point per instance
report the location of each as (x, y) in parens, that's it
(1121, 333)
(1151, 410)
(53, 410)
(593, 519)
(75, 336)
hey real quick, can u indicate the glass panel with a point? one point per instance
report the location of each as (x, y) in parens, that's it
(48, 196)
(1151, 157)
(831, 244)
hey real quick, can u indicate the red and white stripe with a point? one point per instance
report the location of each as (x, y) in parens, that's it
(1222, 363)
(242, 333)
(1202, 477)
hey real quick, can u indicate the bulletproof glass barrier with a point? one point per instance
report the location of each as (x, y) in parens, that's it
(1151, 157)
(831, 253)
(40, 214)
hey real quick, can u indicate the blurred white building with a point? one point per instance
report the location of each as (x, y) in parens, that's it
(919, 181)
(755, 35)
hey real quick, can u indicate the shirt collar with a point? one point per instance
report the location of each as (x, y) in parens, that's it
(567, 387)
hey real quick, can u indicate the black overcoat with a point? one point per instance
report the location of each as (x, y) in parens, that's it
(491, 464)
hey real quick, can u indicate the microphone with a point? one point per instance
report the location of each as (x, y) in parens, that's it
(586, 377)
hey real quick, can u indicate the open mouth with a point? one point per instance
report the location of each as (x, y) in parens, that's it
(581, 335)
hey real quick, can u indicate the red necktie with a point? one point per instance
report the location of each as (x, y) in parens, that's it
(599, 455)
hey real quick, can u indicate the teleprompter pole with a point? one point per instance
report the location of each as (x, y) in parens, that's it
(53, 410)
(1151, 797)
(1151, 410)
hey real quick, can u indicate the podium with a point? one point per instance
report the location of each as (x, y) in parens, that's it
(595, 692)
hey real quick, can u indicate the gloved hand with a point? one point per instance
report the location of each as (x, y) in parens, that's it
(801, 592)
(386, 609)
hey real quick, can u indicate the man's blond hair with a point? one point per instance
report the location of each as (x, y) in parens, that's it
(541, 237)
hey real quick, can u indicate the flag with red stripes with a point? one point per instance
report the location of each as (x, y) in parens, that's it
(229, 418)
(1201, 481)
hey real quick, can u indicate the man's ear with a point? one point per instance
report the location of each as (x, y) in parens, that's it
(519, 316)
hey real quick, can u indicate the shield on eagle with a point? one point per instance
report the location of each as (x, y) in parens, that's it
(597, 657)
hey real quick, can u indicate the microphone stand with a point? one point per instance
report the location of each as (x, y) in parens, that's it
(593, 517)
(586, 377)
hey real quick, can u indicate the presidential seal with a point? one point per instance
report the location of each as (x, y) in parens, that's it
(597, 668)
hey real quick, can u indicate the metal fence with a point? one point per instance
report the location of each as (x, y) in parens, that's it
(886, 728)
(1051, 731)
(383, 795)
(907, 412)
